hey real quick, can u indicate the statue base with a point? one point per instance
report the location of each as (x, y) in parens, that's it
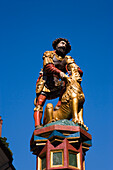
(60, 145)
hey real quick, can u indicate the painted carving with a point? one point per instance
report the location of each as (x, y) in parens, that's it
(53, 82)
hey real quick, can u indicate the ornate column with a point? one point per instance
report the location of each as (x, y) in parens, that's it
(60, 145)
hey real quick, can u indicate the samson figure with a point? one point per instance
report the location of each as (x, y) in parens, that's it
(52, 79)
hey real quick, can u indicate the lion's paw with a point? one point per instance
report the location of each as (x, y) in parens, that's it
(80, 122)
(75, 120)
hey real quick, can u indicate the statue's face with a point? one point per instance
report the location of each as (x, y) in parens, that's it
(61, 44)
(61, 48)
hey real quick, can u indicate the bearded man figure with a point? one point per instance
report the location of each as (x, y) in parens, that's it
(55, 65)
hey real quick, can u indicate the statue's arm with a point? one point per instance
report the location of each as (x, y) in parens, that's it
(39, 78)
(48, 65)
(51, 69)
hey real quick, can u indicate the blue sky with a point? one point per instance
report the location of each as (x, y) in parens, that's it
(27, 29)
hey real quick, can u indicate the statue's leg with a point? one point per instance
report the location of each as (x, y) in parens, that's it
(80, 116)
(38, 110)
(75, 109)
(48, 115)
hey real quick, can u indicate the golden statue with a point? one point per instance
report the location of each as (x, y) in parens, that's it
(49, 86)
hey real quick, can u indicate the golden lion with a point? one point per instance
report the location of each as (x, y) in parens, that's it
(71, 103)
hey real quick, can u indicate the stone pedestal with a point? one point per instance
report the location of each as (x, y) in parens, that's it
(60, 145)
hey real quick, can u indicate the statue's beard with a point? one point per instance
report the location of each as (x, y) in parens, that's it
(61, 51)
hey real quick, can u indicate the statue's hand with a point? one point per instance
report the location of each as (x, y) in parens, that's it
(63, 76)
